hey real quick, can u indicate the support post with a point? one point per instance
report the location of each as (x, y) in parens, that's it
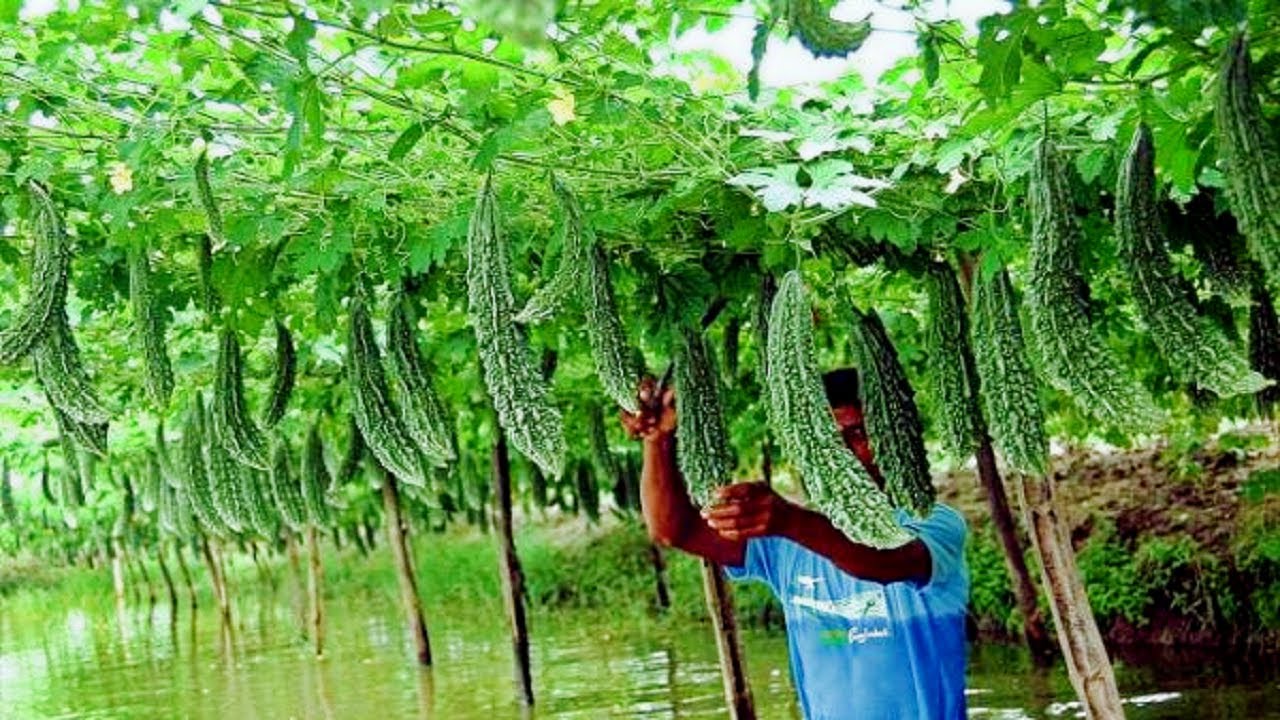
(513, 591)
(397, 538)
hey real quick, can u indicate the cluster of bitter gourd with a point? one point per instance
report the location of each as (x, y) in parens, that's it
(837, 482)
(584, 272)
(533, 425)
(148, 327)
(1195, 348)
(892, 419)
(1070, 351)
(1245, 143)
(282, 378)
(702, 439)
(426, 420)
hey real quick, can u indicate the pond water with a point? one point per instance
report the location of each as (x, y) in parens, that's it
(63, 661)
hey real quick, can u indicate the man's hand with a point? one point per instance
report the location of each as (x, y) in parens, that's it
(746, 510)
(657, 416)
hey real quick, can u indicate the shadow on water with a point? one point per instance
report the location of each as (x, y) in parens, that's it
(81, 662)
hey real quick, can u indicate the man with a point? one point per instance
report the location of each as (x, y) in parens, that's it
(872, 633)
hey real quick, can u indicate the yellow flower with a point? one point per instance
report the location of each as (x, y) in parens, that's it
(121, 178)
(562, 107)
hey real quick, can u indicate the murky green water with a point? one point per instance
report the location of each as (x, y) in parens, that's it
(69, 662)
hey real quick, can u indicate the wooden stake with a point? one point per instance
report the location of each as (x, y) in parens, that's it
(733, 669)
(315, 579)
(397, 538)
(513, 590)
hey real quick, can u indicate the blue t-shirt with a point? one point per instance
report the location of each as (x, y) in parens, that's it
(867, 650)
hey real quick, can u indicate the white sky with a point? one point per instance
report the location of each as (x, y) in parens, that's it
(787, 62)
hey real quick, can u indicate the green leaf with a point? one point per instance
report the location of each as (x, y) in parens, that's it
(408, 138)
(302, 33)
(929, 61)
(1000, 53)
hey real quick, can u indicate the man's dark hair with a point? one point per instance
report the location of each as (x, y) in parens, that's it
(842, 388)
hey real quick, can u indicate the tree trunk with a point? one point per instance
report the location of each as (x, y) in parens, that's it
(186, 575)
(513, 591)
(397, 537)
(168, 582)
(315, 579)
(660, 576)
(1087, 663)
(733, 669)
(1024, 590)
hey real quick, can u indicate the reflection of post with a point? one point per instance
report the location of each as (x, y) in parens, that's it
(737, 691)
(117, 575)
(1088, 666)
(512, 576)
(315, 578)
(146, 580)
(295, 579)
(322, 688)
(217, 580)
(168, 583)
(397, 537)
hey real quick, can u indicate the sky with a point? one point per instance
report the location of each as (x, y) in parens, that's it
(787, 62)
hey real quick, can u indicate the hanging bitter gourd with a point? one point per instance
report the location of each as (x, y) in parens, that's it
(424, 414)
(354, 453)
(285, 488)
(1010, 391)
(62, 374)
(823, 35)
(617, 364)
(6, 494)
(702, 441)
(588, 491)
(282, 378)
(1073, 356)
(149, 481)
(316, 481)
(946, 342)
(381, 424)
(1195, 348)
(1264, 347)
(760, 324)
(232, 425)
(261, 517)
(838, 484)
(532, 424)
(46, 481)
(1246, 144)
(148, 328)
(892, 418)
(602, 461)
(47, 294)
(576, 240)
(195, 469)
(228, 477)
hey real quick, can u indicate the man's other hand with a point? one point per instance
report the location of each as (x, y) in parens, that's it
(746, 510)
(657, 416)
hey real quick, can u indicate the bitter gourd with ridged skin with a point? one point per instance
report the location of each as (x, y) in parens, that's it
(1246, 144)
(285, 488)
(232, 425)
(229, 481)
(588, 490)
(892, 419)
(801, 418)
(702, 441)
(811, 22)
(381, 424)
(354, 453)
(617, 364)
(47, 296)
(316, 481)
(282, 378)
(195, 469)
(946, 339)
(92, 437)
(1195, 348)
(1010, 391)
(1073, 356)
(149, 482)
(532, 424)
(148, 328)
(424, 414)
(551, 297)
(262, 517)
(62, 374)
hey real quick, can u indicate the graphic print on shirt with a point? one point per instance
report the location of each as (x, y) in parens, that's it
(857, 618)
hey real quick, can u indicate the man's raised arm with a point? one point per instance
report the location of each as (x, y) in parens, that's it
(670, 516)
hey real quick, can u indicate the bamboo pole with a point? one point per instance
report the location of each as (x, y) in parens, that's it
(733, 669)
(397, 538)
(513, 590)
(1088, 665)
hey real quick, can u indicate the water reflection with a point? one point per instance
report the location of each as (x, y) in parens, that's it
(79, 663)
